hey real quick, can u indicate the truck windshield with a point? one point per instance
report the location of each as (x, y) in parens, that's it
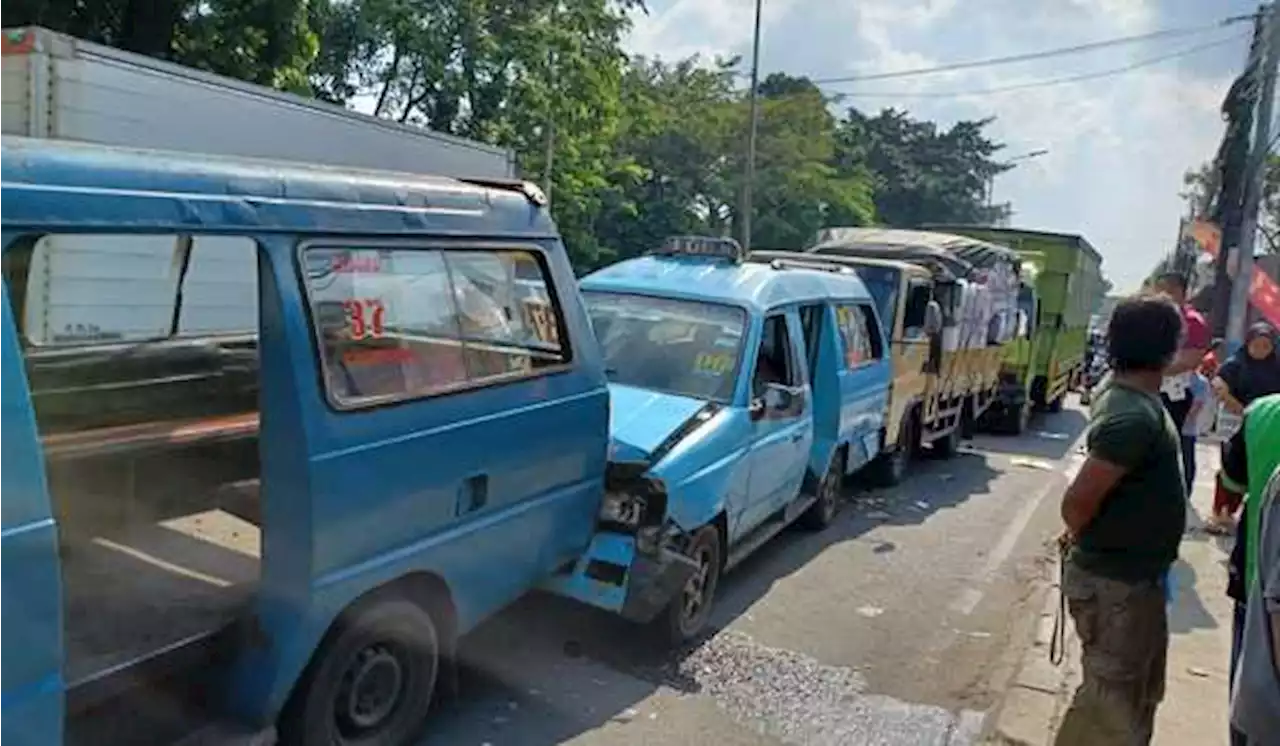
(674, 346)
(882, 283)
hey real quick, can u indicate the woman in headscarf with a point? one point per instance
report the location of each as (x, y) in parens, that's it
(1252, 372)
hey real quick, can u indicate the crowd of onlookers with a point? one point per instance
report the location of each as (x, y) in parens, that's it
(1125, 513)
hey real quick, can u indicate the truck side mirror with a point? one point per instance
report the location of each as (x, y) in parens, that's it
(933, 319)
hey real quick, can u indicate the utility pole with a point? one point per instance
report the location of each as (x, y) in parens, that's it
(549, 125)
(1232, 164)
(1239, 308)
(748, 204)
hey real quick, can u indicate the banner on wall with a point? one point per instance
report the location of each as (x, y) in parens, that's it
(1264, 293)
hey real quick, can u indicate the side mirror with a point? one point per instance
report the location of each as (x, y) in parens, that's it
(777, 398)
(933, 319)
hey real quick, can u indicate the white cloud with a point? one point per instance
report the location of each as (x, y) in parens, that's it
(1134, 16)
(707, 28)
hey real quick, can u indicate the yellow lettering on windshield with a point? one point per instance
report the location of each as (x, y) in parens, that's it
(712, 362)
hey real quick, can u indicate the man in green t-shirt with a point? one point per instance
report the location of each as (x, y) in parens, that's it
(1125, 512)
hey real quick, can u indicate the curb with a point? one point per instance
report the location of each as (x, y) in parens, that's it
(1037, 694)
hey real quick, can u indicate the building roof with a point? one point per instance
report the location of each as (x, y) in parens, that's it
(176, 191)
(753, 285)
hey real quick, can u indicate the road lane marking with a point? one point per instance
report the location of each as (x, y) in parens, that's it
(969, 597)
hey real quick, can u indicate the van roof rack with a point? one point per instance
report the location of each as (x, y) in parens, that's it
(798, 260)
(531, 191)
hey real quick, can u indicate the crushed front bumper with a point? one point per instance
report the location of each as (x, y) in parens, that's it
(614, 575)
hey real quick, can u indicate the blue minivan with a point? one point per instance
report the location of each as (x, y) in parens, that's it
(249, 416)
(742, 394)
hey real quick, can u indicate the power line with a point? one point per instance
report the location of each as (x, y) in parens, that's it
(1043, 54)
(1045, 83)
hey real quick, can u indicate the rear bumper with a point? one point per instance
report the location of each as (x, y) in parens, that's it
(614, 575)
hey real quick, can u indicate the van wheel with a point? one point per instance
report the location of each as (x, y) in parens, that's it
(371, 684)
(689, 611)
(823, 511)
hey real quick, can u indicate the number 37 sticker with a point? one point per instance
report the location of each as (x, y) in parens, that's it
(365, 317)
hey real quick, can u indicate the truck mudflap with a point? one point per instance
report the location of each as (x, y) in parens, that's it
(616, 575)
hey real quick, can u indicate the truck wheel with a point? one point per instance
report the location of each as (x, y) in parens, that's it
(370, 684)
(947, 445)
(689, 611)
(823, 511)
(890, 467)
(1016, 420)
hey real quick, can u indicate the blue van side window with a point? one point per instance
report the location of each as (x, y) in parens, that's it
(400, 324)
(860, 334)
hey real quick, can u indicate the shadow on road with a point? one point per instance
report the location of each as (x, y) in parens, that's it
(1049, 436)
(1188, 613)
(934, 485)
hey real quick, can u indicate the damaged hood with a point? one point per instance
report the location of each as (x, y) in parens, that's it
(642, 421)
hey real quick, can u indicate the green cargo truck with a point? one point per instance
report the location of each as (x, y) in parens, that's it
(1062, 277)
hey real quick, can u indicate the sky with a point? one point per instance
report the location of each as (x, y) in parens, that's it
(1117, 146)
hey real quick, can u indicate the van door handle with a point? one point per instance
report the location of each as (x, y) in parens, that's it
(797, 436)
(473, 494)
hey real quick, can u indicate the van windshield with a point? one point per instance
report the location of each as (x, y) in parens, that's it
(673, 346)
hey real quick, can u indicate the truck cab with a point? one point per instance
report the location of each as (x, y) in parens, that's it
(742, 393)
(959, 303)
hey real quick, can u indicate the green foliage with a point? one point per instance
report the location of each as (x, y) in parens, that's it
(922, 174)
(1200, 191)
(264, 41)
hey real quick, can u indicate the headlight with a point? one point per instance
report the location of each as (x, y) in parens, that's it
(621, 508)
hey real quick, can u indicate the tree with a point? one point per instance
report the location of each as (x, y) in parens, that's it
(922, 174)
(263, 41)
(1200, 191)
(678, 176)
(539, 76)
(799, 189)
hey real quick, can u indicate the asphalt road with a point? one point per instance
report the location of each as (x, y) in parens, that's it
(896, 625)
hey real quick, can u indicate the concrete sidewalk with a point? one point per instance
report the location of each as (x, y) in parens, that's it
(1194, 711)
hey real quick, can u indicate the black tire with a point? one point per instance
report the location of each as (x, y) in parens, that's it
(890, 467)
(687, 615)
(1056, 405)
(946, 446)
(823, 511)
(1016, 420)
(370, 684)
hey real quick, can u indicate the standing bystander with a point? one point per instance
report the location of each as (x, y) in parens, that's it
(1175, 390)
(1255, 703)
(1125, 511)
(1248, 459)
